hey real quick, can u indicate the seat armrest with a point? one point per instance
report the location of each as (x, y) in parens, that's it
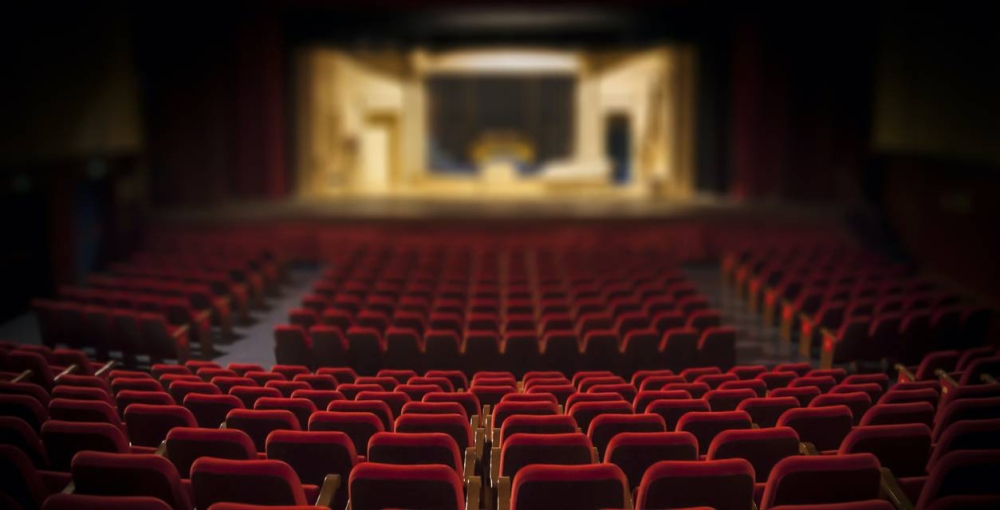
(808, 449)
(474, 421)
(595, 457)
(494, 466)
(904, 373)
(503, 493)
(828, 346)
(494, 436)
(470, 461)
(69, 370)
(179, 331)
(988, 379)
(70, 488)
(947, 381)
(805, 341)
(23, 376)
(162, 449)
(331, 483)
(480, 439)
(473, 487)
(893, 492)
(107, 367)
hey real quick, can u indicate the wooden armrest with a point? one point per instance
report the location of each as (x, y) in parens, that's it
(23, 376)
(161, 450)
(904, 373)
(474, 421)
(202, 315)
(808, 449)
(69, 370)
(503, 494)
(494, 466)
(893, 492)
(473, 486)
(107, 367)
(179, 331)
(753, 505)
(223, 425)
(70, 488)
(754, 426)
(595, 457)
(946, 380)
(331, 483)
(988, 379)
(470, 462)
(494, 436)
(480, 438)
(828, 344)
(485, 417)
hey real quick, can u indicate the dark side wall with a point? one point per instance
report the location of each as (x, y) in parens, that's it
(936, 140)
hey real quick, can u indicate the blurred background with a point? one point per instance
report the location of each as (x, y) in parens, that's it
(121, 115)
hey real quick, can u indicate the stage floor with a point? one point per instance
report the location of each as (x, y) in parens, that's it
(477, 208)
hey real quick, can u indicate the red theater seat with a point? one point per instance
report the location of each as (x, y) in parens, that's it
(605, 427)
(249, 395)
(113, 474)
(259, 423)
(262, 482)
(359, 426)
(82, 502)
(64, 439)
(377, 486)
(823, 479)
(720, 484)
(673, 410)
(706, 425)
(148, 425)
(185, 445)
(314, 455)
(765, 412)
(582, 487)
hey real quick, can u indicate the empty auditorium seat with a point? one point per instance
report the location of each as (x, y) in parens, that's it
(185, 445)
(605, 427)
(314, 455)
(417, 448)
(706, 425)
(359, 426)
(673, 410)
(897, 414)
(823, 427)
(720, 484)
(300, 407)
(375, 486)
(84, 502)
(64, 439)
(249, 395)
(765, 412)
(263, 482)
(20, 482)
(584, 487)
(801, 480)
(858, 403)
(962, 473)
(259, 423)
(114, 474)
(148, 425)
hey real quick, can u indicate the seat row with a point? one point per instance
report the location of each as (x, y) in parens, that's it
(159, 335)
(536, 411)
(852, 309)
(366, 350)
